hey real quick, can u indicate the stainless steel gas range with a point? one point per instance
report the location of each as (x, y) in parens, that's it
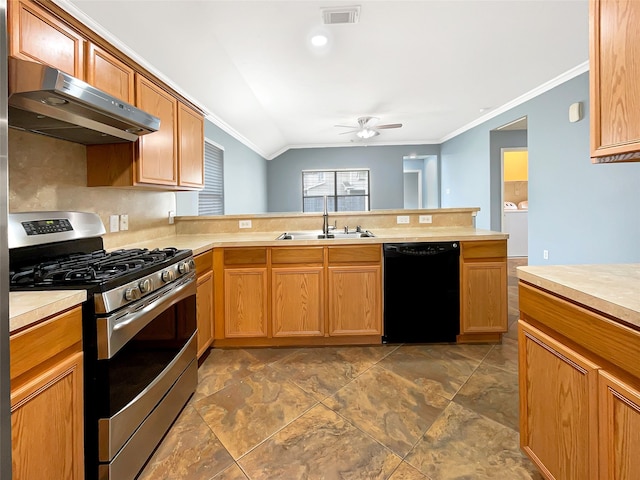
(139, 327)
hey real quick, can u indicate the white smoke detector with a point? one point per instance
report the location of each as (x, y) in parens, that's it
(340, 15)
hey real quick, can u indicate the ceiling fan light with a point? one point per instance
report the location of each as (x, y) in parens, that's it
(366, 133)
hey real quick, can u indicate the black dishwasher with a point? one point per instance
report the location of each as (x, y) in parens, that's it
(421, 292)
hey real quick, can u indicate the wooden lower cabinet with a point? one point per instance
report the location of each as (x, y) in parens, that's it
(558, 407)
(302, 295)
(47, 399)
(245, 302)
(579, 390)
(483, 291)
(204, 301)
(355, 300)
(297, 306)
(619, 428)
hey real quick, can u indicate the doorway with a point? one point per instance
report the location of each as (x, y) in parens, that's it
(515, 199)
(421, 181)
(412, 189)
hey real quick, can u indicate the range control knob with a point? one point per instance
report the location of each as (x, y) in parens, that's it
(168, 276)
(132, 294)
(145, 285)
(184, 267)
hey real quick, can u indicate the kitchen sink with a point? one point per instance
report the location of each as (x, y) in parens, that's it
(318, 235)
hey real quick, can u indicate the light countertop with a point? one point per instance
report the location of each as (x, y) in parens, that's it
(613, 289)
(26, 308)
(29, 307)
(202, 242)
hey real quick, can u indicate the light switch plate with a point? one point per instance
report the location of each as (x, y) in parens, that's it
(402, 219)
(114, 223)
(172, 215)
(124, 222)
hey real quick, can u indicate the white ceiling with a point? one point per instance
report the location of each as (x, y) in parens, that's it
(430, 65)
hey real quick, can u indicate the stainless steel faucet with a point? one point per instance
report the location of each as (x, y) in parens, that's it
(325, 218)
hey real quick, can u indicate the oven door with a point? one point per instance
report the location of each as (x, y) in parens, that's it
(146, 371)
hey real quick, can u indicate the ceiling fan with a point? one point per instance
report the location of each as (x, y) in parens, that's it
(368, 127)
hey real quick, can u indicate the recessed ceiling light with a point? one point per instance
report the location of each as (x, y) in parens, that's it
(485, 109)
(319, 40)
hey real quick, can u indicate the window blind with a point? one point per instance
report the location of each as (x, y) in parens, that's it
(211, 197)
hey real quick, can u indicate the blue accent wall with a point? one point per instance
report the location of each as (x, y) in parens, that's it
(245, 174)
(580, 212)
(284, 173)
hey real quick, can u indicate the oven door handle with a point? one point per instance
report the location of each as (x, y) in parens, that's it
(116, 330)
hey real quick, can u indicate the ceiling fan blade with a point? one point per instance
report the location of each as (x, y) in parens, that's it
(390, 125)
(347, 126)
(350, 131)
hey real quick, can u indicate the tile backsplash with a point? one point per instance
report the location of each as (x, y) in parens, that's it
(50, 174)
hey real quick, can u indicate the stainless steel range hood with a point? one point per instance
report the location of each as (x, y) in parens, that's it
(50, 102)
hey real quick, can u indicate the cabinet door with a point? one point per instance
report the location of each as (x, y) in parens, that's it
(245, 302)
(106, 72)
(191, 147)
(619, 429)
(558, 407)
(614, 73)
(297, 301)
(483, 294)
(204, 297)
(36, 35)
(47, 424)
(157, 163)
(355, 294)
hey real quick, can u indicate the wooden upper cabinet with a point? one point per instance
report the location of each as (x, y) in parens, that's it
(190, 147)
(614, 73)
(157, 163)
(106, 72)
(38, 36)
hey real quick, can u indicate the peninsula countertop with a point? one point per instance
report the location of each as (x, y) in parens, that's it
(613, 289)
(26, 308)
(200, 243)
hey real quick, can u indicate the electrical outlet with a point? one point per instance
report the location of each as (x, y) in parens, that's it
(124, 222)
(402, 219)
(172, 215)
(545, 254)
(114, 223)
(425, 219)
(244, 223)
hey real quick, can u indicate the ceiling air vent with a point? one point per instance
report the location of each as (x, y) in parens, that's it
(340, 15)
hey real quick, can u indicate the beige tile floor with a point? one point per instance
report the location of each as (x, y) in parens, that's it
(398, 412)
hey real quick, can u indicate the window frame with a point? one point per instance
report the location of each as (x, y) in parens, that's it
(333, 200)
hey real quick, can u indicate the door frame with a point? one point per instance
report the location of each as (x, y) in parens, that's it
(419, 172)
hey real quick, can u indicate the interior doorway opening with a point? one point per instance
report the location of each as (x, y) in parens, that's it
(421, 181)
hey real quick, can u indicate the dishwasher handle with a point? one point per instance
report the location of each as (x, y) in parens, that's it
(420, 249)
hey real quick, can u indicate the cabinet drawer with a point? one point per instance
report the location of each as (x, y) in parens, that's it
(484, 249)
(37, 344)
(359, 254)
(204, 262)
(245, 256)
(287, 255)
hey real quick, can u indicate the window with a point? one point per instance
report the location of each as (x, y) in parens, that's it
(211, 197)
(346, 190)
